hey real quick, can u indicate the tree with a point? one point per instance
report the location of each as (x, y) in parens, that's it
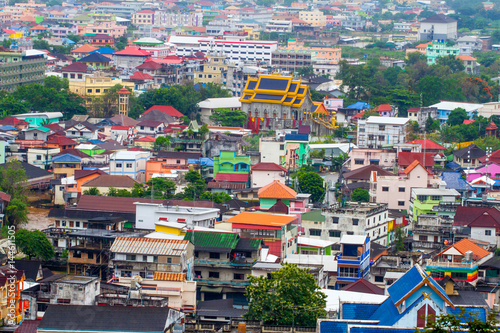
(161, 143)
(466, 322)
(431, 125)
(399, 236)
(92, 191)
(34, 244)
(457, 117)
(360, 195)
(161, 188)
(40, 44)
(312, 183)
(11, 182)
(430, 87)
(289, 298)
(17, 212)
(316, 96)
(452, 62)
(306, 70)
(228, 117)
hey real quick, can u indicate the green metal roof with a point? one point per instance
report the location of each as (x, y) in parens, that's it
(205, 239)
(313, 215)
(43, 129)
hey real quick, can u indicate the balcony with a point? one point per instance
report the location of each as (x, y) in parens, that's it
(235, 262)
(449, 264)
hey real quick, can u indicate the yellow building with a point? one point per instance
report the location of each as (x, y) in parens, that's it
(213, 70)
(253, 35)
(96, 85)
(143, 17)
(315, 19)
(11, 285)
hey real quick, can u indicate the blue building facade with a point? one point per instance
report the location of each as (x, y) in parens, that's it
(353, 263)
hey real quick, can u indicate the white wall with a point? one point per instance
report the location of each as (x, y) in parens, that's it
(263, 178)
(479, 233)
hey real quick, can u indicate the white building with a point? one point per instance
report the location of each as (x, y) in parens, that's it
(129, 163)
(236, 49)
(272, 150)
(156, 47)
(148, 214)
(265, 173)
(376, 132)
(41, 157)
(438, 27)
(279, 26)
(169, 19)
(208, 105)
(469, 44)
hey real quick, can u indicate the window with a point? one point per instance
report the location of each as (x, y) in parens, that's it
(197, 274)
(422, 238)
(458, 275)
(169, 260)
(118, 165)
(335, 233)
(77, 224)
(381, 127)
(421, 197)
(436, 197)
(178, 161)
(282, 147)
(237, 276)
(77, 254)
(89, 91)
(129, 165)
(38, 157)
(130, 257)
(335, 220)
(487, 232)
(90, 255)
(98, 90)
(379, 278)
(315, 232)
(359, 161)
(381, 137)
(213, 275)
(401, 203)
(402, 189)
(214, 255)
(355, 221)
(385, 188)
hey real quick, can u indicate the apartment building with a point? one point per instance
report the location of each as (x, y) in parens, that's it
(438, 27)
(213, 70)
(440, 49)
(129, 163)
(279, 26)
(421, 114)
(290, 61)
(96, 85)
(429, 200)
(377, 132)
(143, 17)
(21, 68)
(353, 262)
(313, 18)
(169, 19)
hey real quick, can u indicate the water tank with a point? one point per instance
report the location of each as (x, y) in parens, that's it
(468, 256)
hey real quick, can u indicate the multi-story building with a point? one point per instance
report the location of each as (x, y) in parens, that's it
(170, 19)
(129, 163)
(296, 151)
(290, 61)
(471, 65)
(41, 156)
(439, 49)
(213, 70)
(469, 44)
(228, 162)
(223, 263)
(96, 85)
(376, 132)
(426, 200)
(313, 18)
(444, 109)
(438, 27)
(12, 308)
(421, 114)
(469, 157)
(431, 231)
(278, 26)
(366, 219)
(123, 9)
(385, 158)
(156, 47)
(144, 17)
(354, 22)
(63, 32)
(353, 262)
(105, 27)
(20, 68)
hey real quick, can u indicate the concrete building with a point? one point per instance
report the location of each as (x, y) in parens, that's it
(291, 61)
(147, 214)
(384, 158)
(21, 68)
(421, 114)
(353, 262)
(41, 157)
(376, 132)
(366, 219)
(210, 104)
(444, 109)
(96, 85)
(313, 18)
(129, 163)
(144, 17)
(265, 173)
(272, 150)
(279, 26)
(438, 27)
(353, 22)
(439, 49)
(469, 44)
(424, 200)
(212, 70)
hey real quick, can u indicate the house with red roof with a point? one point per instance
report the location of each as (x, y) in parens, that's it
(145, 142)
(167, 109)
(143, 81)
(76, 71)
(130, 57)
(264, 173)
(60, 142)
(386, 110)
(405, 159)
(150, 67)
(14, 122)
(428, 146)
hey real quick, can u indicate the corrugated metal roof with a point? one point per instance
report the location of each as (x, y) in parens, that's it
(151, 246)
(164, 276)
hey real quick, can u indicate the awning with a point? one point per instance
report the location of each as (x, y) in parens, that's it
(211, 290)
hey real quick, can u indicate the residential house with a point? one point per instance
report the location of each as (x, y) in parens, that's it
(468, 157)
(421, 114)
(39, 133)
(76, 71)
(264, 173)
(61, 142)
(166, 109)
(103, 182)
(96, 61)
(101, 40)
(471, 66)
(383, 189)
(469, 45)
(386, 110)
(362, 177)
(130, 57)
(40, 118)
(431, 231)
(223, 263)
(277, 197)
(228, 162)
(82, 51)
(296, 151)
(405, 159)
(277, 230)
(166, 161)
(152, 128)
(444, 109)
(438, 27)
(384, 158)
(428, 146)
(353, 261)
(41, 156)
(81, 130)
(439, 49)
(83, 176)
(217, 142)
(129, 163)
(11, 284)
(460, 261)
(14, 122)
(376, 132)
(483, 223)
(65, 165)
(429, 200)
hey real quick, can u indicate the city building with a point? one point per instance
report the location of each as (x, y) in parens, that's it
(21, 68)
(470, 64)
(130, 57)
(469, 44)
(469, 157)
(291, 60)
(421, 114)
(444, 109)
(431, 231)
(353, 261)
(228, 162)
(439, 49)
(265, 173)
(129, 163)
(384, 158)
(438, 27)
(379, 132)
(313, 18)
(96, 85)
(426, 200)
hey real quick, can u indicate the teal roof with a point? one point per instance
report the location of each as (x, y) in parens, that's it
(213, 241)
(43, 129)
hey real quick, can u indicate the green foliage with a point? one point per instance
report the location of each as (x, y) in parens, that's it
(228, 117)
(11, 182)
(457, 117)
(453, 323)
(432, 125)
(452, 62)
(399, 240)
(218, 197)
(305, 70)
(92, 191)
(106, 105)
(360, 195)
(316, 96)
(161, 142)
(121, 43)
(34, 244)
(195, 188)
(312, 183)
(290, 297)
(162, 188)
(338, 161)
(40, 44)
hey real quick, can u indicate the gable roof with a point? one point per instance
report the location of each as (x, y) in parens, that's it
(84, 173)
(170, 110)
(364, 173)
(363, 286)
(150, 123)
(464, 214)
(277, 190)
(150, 65)
(221, 242)
(111, 181)
(104, 50)
(439, 18)
(111, 204)
(12, 121)
(455, 181)
(95, 57)
(76, 67)
(149, 246)
(66, 158)
(427, 144)
(412, 166)
(31, 171)
(124, 120)
(475, 152)
(271, 221)
(133, 51)
(231, 177)
(465, 245)
(141, 76)
(267, 166)
(61, 140)
(407, 158)
(86, 48)
(104, 318)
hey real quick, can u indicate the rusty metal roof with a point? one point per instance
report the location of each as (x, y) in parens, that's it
(149, 246)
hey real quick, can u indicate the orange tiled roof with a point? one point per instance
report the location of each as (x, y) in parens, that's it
(84, 49)
(465, 57)
(412, 166)
(466, 245)
(277, 190)
(270, 220)
(164, 276)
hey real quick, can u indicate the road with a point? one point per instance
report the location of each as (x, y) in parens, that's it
(330, 178)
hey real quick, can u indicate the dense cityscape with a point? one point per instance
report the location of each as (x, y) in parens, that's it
(249, 166)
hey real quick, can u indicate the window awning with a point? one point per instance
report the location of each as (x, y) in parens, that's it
(211, 289)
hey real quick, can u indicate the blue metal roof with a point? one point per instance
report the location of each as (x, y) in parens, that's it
(8, 128)
(66, 158)
(104, 50)
(405, 284)
(333, 327)
(453, 165)
(358, 311)
(469, 313)
(297, 137)
(359, 106)
(95, 141)
(455, 181)
(203, 161)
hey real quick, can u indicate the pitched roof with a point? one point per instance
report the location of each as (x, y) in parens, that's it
(133, 51)
(64, 158)
(265, 220)
(438, 18)
(465, 245)
(412, 166)
(111, 181)
(4, 196)
(407, 158)
(146, 139)
(267, 166)
(104, 49)
(84, 173)
(149, 246)
(31, 171)
(61, 140)
(141, 76)
(178, 155)
(383, 108)
(212, 241)
(149, 64)
(95, 57)
(150, 123)
(231, 177)
(473, 151)
(489, 219)
(111, 204)
(12, 121)
(364, 173)
(427, 144)
(77, 67)
(124, 120)
(363, 286)
(277, 190)
(170, 110)
(86, 48)
(465, 57)
(104, 318)
(28, 326)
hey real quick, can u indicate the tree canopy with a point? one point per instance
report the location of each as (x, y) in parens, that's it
(228, 117)
(457, 117)
(290, 297)
(34, 244)
(360, 195)
(312, 183)
(11, 182)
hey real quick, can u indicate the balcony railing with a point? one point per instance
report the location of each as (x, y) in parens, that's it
(431, 263)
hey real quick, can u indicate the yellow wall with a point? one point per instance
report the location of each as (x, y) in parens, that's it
(93, 83)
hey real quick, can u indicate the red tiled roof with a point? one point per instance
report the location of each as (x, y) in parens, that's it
(4, 196)
(111, 181)
(84, 49)
(231, 177)
(170, 110)
(11, 121)
(84, 173)
(28, 326)
(383, 107)
(488, 219)
(467, 245)
(133, 51)
(267, 166)
(146, 139)
(141, 76)
(78, 67)
(111, 204)
(407, 158)
(124, 128)
(414, 109)
(74, 152)
(363, 286)
(277, 190)
(123, 91)
(465, 57)
(149, 64)
(61, 140)
(428, 144)
(468, 121)
(492, 126)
